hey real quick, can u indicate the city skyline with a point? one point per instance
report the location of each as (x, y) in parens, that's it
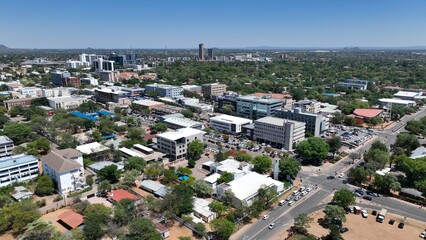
(221, 24)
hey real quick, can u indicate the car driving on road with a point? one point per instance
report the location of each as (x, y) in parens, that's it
(265, 217)
(271, 226)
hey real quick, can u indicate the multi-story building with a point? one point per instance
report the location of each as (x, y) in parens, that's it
(65, 167)
(88, 58)
(311, 106)
(17, 168)
(316, 124)
(229, 99)
(278, 132)
(229, 124)
(257, 107)
(103, 65)
(175, 144)
(25, 102)
(201, 51)
(6, 146)
(30, 91)
(213, 89)
(210, 53)
(55, 92)
(192, 88)
(354, 84)
(108, 76)
(164, 90)
(389, 102)
(105, 95)
(57, 77)
(67, 102)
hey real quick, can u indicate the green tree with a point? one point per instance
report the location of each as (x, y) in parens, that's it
(97, 136)
(344, 198)
(18, 132)
(218, 207)
(265, 196)
(136, 163)
(243, 157)
(386, 183)
(45, 186)
(3, 120)
(96, 217)
(187, 113)
(301, 224)
(158, 128)
(288, 166)
(313, 150)
(179, 201)
(226, 177)
(104, 187)
(222, 228)
(130, 176)
(195, 149)
(109, 173)
(378, 157)
(16, 110)
(380, 146)
(89, 180)
(66, 140)
(334, 144)
(136, 134)
(142, 228)
(201, 228)
(358, 175)
(169, 176)
(407, 141)
(89, 107)
(262, 164)
(17, 215)
(124, 211)
(334, 233)
(41, 230)
(153, 170)
(39, 146)
(202, 189)
(334, 212)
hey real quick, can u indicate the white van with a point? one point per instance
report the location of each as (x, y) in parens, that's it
(281, 203)
(295, 192)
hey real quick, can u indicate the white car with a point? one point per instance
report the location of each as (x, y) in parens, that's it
(265, 217)
(272, 225)
(341, 175)
(309, 189)
(423, 235)
(304, 193)
(364, 214)
(290, 203)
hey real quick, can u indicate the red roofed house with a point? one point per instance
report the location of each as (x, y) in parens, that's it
(165, 232)
(119, 194)
(70, 219)
(367, 114)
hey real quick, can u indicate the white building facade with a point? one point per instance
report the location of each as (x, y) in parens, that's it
(175, 144)
(228, 124)
(17, 168)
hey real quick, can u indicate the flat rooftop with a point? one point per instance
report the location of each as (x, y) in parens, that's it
(231, 119)
(396, 100)
(276, 121)
(147, 103)
(264, 99)
(180, 133)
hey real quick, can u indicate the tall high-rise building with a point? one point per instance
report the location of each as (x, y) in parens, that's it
(103, 65)
(201, 51)
(210, 53)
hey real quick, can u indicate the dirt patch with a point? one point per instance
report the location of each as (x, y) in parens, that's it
(53, 218)
(177, 230)
(141, 192)
(7, 236)
(368, 228)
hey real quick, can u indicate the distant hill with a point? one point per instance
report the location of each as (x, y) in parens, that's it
(3, 47)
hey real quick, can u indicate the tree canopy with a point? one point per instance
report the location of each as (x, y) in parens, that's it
(312, 150)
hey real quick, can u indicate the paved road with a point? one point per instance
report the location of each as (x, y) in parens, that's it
(283, 216)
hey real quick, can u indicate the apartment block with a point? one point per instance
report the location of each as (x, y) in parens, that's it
(229, 124)
(165, 90)
(213, 89)
(6, 146)
(175, 144)
(316, 123)
(17, 168)
(254, 107)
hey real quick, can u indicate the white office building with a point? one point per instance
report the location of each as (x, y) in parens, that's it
(228, 124)
(30, 92)
(67, 102)
(175, 144)
(165, 90)
(65, 167)
(103, 65)
(246, 188)
(17, 168)
(279, 132)
(55, 92)
(389, 102)
(6, 146)
(182, 122)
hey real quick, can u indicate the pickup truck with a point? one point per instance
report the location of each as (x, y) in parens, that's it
(381, 216)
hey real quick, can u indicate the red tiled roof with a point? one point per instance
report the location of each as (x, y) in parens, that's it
(368, 113)
(71, 218)
(120, 194)
(161, 228)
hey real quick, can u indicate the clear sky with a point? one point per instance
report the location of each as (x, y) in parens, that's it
(216, 23)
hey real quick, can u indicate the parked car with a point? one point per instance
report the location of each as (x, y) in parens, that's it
(288, 198)
(364, 214)
(297, 198)
(304, 193)
(372, 194)
(341, 175)
(374, 213)
(308, 189)
(282, 202)
(290, 203)
(302, 189)
(392, 221)
(368, 198)
(423, 235)
(358, 194)
(401, 225)
(331, 177)
(344, 229)
(265, 217)
(271, 226)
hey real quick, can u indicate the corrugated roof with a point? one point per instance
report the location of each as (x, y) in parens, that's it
(71, 218)
(368, 113)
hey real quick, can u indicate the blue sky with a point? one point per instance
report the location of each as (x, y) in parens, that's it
(217, 23)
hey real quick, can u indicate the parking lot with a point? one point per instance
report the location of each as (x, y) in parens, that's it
(368, 228)
(352, 137)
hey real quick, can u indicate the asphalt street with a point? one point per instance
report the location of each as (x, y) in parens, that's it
(283, 216)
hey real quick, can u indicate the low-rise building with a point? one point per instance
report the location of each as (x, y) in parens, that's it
(91, 148)
(24, 102)
(164, 90)
(354, 84)
(6, 146)
(17, 168)
(30, 92)
(105, 95)
(246, 188)
(140, 151)
(99, 165)
(175, 144)
(20, 193)
(230, 165)
(316, 123)
(65, 167)
(389, 102)
(154, 187)
(229, 124)
(146, 104)
(413, 96)
(212, 180)
(192, 88)
(311, 106)
(167, 109)
(177, 122)
(200, 107)
(419, 152)
(55, 92)
(279, 132)
(367, 114)
(67, 102)
(202, 210)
